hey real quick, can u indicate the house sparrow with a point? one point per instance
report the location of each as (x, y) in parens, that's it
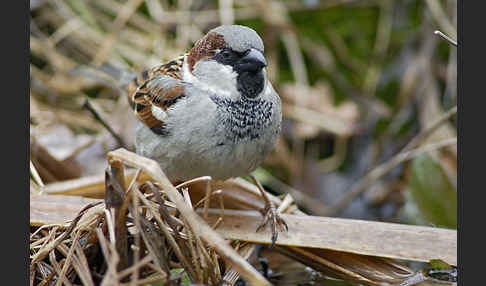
(211, 112)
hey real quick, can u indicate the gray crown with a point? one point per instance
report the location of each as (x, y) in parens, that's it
(240, 38)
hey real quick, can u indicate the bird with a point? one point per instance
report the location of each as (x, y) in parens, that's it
(210, 112)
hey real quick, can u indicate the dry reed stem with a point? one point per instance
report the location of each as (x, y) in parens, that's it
(56, 267)
(133, 268)
(194, 256)
(207, 199)
(149, 233)
(109, 219)
(445, 37)
(82, 270)
(111, 257)
(182, 257)
(136, 217)
(61, 278)
(187, 198)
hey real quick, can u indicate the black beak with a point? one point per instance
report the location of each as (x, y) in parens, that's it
(253, 61)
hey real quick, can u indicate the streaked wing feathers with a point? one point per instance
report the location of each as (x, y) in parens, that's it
(159, 87)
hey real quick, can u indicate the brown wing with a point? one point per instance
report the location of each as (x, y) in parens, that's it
(159, 86)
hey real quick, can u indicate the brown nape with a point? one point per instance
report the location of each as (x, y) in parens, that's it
(205, 47)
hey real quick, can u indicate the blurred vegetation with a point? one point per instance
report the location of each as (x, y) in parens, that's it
(358, 80)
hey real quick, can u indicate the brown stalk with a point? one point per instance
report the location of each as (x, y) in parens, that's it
(111, 259)
(67, 264)
(116, 199)
(169, 237)
(151, 237)
(87, 104)
(84, 274)
(136, 249)
(82, 270)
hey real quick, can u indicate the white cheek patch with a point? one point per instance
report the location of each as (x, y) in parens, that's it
(216, 79)
(227, 72)
(159, 113)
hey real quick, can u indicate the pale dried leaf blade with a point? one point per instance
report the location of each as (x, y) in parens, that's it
(408, 242)
(88, 186)
(56, 209)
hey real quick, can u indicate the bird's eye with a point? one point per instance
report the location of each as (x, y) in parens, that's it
(226, 53)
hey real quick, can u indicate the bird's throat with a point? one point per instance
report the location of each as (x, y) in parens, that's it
(250, 84)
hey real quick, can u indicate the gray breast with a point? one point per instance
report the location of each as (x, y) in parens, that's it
(245, 118)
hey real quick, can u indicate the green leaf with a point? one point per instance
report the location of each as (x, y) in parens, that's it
(185, 280)
(432, 192)
(440, 270)
(439, 264)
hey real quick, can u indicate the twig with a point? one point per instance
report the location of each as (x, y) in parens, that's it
(441, 17)
(419, 138)
(136, 217)
(111, 258)
(207, 198)
(67, 262)
(90, 108)
(142, 262)
(83, 268)
(445, 37)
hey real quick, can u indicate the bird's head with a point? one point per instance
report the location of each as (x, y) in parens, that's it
(230, 57)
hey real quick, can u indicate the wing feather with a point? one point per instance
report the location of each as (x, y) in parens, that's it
(159, 87)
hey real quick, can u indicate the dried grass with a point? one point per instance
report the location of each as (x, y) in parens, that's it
(147, 230)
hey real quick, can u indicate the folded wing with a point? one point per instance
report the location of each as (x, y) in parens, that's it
(153, 91)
